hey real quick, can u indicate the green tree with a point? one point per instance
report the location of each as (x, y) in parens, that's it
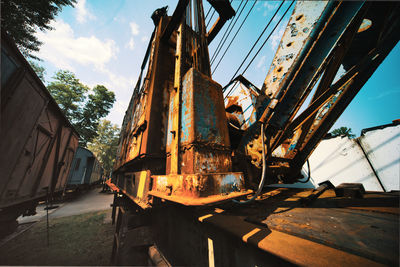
(40, 71)
(21, 19)
(69, 93)
(97, 106)
(105, 144)
(343, 131)
(83, 107)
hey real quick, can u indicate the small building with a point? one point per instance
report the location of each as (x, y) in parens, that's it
(85, 169)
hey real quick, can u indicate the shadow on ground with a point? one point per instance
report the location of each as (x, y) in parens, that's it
(84, 239)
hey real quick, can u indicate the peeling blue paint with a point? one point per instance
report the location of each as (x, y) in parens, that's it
(186, 110)
(230, 183)
(170, 118)
(199, 110)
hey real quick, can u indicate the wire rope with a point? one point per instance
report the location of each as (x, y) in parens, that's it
(226, 50)
(265, 41)
(208, 12)
(259, 37)
(223, 39)
(258, 51)
(251, 49)
(212, 15)
(264, 170)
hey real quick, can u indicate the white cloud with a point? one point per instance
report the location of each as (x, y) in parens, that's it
(121, 85)
(82, 13)
(123, 88)
(276, 37)
(144, 39)
(131, 44)
(62, 48)
(269, 7)
(135, 31)
(118, 82)
(261, 62)
(134, 28)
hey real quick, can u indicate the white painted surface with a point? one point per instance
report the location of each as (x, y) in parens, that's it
(382, 147)
(211, 262)
(342, 160)
(243, 98)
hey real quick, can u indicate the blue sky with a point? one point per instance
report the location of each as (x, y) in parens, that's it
(103, 42)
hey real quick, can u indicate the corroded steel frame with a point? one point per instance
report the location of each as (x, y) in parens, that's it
(315, 58)
(280, 230)
(194, 138)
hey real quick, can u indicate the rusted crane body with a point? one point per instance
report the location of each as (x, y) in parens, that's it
(184, 150)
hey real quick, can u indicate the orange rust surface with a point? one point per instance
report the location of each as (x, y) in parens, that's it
(191, 201)
(291, 248)
(390, 210)
(112, 186)
(232, 100)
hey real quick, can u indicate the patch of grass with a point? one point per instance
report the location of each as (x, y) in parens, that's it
(76, 240)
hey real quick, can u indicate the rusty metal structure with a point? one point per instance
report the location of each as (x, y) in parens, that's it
(185, 152)
(37, 142)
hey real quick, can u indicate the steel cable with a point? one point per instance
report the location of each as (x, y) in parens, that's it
(223, 39)
(212, 15)
(258, 51)
(226, 50)
(264, 169)
(259, 37)
(251, 49)
(208, 12)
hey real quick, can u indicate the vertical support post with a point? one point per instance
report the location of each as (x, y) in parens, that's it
(175, 96)
(202, 30)
(56, 166)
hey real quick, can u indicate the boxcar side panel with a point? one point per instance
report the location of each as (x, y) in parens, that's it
(17, 126)
(67, 160)
(36, 145)
(81, 168)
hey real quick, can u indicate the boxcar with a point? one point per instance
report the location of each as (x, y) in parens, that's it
(37, 142)
(86, 170)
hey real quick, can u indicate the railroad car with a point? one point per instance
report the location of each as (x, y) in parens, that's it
(37, 141)
(85, 171)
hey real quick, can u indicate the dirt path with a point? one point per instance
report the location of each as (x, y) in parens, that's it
(85, 202)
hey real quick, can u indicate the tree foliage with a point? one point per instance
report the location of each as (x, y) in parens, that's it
(21, 19)
(105, 144)
(40, 71)
(343, 131)
(69, 93)
(97, 106)
(83, 107)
